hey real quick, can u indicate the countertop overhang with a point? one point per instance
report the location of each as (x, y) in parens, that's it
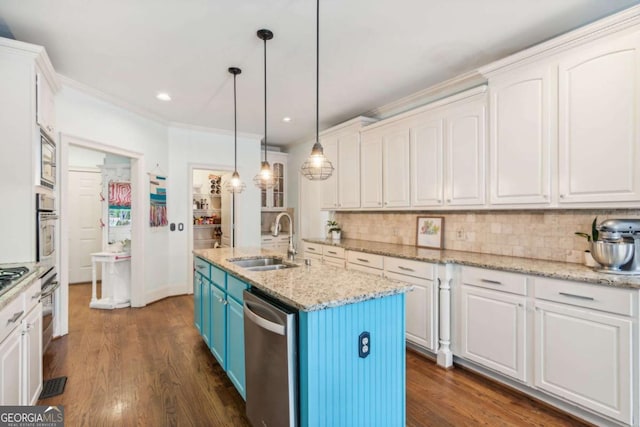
(536, 267)
(305, 287)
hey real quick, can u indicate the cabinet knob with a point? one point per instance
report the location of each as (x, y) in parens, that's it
(562, 196)
(544, 196)
(386, 203)
(448, 200)
(439, 201)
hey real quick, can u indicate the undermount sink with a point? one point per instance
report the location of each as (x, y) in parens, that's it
(262, 264)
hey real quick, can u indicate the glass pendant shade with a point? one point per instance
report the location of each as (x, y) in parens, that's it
(235, 184)
(265, 179)
(317, 167)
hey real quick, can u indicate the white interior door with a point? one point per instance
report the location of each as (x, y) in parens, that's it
(85, 234)
(226, 220)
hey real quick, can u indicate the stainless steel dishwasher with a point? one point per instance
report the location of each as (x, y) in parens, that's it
(270, 348)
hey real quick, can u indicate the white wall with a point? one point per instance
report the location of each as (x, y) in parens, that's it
(90, 118)
(188, 147)
(310, 219)
(85, 158)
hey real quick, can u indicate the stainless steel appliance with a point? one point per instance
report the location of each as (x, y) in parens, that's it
(47, 296)
(270, 348)
(618, 246)
(47, 161)
(46, 220)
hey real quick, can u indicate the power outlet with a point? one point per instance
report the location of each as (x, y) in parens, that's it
(364, 344)
(460, 235)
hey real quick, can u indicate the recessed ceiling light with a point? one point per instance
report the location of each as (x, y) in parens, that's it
(286, 119)
(163, 96)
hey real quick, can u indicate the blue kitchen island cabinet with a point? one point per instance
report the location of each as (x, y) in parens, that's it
(351, 337)
(337, 386)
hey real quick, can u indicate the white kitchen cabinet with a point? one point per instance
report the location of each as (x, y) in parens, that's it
(427, 161)
(598, 122)
(275, 199)
(45, 105)
(279, 243)
(395, 166)
(521, 135)
(492, 320)
(32, 355)
(342, 147)
(371, 170)
(465, 147)
(421, 312)
(11, 384)
(588, 328)
(313, 251)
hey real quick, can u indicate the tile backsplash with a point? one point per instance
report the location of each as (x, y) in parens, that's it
(545, 235)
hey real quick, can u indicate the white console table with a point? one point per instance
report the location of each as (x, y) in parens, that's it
(116, 280)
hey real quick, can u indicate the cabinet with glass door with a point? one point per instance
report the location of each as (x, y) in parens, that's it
(275, 199)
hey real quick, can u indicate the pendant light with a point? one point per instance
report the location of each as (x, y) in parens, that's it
(235, 184)
(265, 179)
(317, 167)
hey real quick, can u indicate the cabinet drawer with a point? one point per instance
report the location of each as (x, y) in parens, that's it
(32, 295)
(336, 262)
(409, 267)
(202, 267)
(369, 260)
(364, 269)
(235, 287)
(492, 279)
(612, 300)
(311, 255)
(10, 316)
(313, 248)
(218, 277)
(333, 251)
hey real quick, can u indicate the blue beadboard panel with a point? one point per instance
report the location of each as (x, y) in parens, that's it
(197, 301)
(205, 325)
(218, 338)
(337, 387)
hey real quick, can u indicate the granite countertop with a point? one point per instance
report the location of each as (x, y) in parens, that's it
(553, 269)
(307, 288)
(23, 282)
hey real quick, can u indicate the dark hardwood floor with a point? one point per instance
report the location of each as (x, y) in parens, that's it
(149, 367)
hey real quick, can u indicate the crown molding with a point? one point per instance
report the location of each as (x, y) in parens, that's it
(37, 53)
(196, 128)
(616, 23)
(88, 90)
(359, 121)
(428, 95)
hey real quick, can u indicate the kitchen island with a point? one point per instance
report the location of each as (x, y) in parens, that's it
(337, 386)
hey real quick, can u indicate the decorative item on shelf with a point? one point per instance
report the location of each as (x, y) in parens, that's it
(158, 198)
(333, 228)
(430, 232)
(235, 184)
(265, 179)
(216, 181)
(317, 167)
(593, 237)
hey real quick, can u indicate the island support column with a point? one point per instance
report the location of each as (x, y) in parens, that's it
(445, 277)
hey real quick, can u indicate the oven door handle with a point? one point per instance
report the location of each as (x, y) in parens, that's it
(50, 289)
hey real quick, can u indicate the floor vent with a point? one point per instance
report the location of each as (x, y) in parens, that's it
(53, 387)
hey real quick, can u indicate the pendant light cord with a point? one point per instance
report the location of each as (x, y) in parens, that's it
(265, 99)
(317, 70)
(235, 127)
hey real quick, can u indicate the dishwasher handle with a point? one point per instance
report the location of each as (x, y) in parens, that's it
(276, 328)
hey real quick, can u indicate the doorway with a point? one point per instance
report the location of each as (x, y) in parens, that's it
(135, 162)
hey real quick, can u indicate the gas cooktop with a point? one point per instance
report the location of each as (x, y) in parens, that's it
(9, 276)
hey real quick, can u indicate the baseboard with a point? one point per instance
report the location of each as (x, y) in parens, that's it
(164, 292)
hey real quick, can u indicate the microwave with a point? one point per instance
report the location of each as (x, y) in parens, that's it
(47, 162)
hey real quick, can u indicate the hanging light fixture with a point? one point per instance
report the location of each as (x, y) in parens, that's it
(235, 184)
(317, 167)
(265, 179)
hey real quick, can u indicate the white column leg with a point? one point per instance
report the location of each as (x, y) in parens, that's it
(445, 356)
(94, 296)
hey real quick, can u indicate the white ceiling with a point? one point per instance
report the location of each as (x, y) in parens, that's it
(372, 52)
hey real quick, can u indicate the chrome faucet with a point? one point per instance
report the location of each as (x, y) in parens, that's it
(291, 251)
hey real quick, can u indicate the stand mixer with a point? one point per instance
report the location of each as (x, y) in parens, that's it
(618, 247)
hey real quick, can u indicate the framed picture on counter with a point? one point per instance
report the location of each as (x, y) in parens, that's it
(430, 232)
